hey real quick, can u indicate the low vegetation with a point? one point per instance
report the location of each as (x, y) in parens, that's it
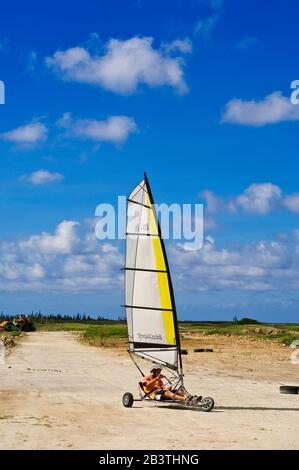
(106, 335)
(113, 333)
(283, 333)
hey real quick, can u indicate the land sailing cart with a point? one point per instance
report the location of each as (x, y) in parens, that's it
(153, 332)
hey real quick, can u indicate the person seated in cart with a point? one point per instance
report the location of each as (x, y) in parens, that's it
(153, 386)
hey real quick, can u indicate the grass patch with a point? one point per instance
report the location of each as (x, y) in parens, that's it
(106, 335)
(107, 331)
(110, 334)
(61, 326)
(114, 333)
(281, 333)
(15, 333)
(286, 338)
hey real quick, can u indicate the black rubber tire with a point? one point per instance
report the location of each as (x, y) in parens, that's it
(207, 404)
(128, 400)
(184, 351)
(290, 389)
(202, 350)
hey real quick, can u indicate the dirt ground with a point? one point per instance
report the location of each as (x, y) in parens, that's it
(56, 393)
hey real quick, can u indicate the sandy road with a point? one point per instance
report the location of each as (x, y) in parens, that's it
(56, 393)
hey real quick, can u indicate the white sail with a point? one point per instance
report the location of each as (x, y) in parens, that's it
(150, 309)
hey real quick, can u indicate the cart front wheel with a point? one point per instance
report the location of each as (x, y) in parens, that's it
(207, 404)
(128, 400)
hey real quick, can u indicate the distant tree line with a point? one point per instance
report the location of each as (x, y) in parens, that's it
(39, 317)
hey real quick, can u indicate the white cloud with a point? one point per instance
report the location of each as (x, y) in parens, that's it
(66, 260)
(124, 65)
(32, 61)
(291, 202)
(181, 45)
(205, 25)
(27, 135)
(258, 198)
(72, 260)
(261, 266)
(296, 234)
(115, 129)
(214, 203)
(63, 241)
(209, 223)
(43, 177)
(272, 109)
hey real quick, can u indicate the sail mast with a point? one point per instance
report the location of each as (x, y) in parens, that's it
(149, 298)
(169, 277)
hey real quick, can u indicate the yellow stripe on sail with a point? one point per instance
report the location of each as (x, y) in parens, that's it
(162, 279)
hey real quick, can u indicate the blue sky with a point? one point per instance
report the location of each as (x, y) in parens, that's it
(195, 92)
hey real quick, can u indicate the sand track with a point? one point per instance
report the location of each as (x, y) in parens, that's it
(56, 393)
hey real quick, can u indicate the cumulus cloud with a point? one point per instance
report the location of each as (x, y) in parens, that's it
(124, 65)
(66, 260)
(272, 109)
(204, 27)
(261, 266)
(32, 61)
(206, 24)
(115, 129)
(181, 45)
(296, 234)
(214, 204)
(27, 135)
(71, 259)
(258, 198)
(291, 202)
(42, 177)
(63, 241)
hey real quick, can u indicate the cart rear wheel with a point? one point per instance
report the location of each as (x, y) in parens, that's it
(207, 404)
(203, 350)
(292, 390)
(128, 400)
